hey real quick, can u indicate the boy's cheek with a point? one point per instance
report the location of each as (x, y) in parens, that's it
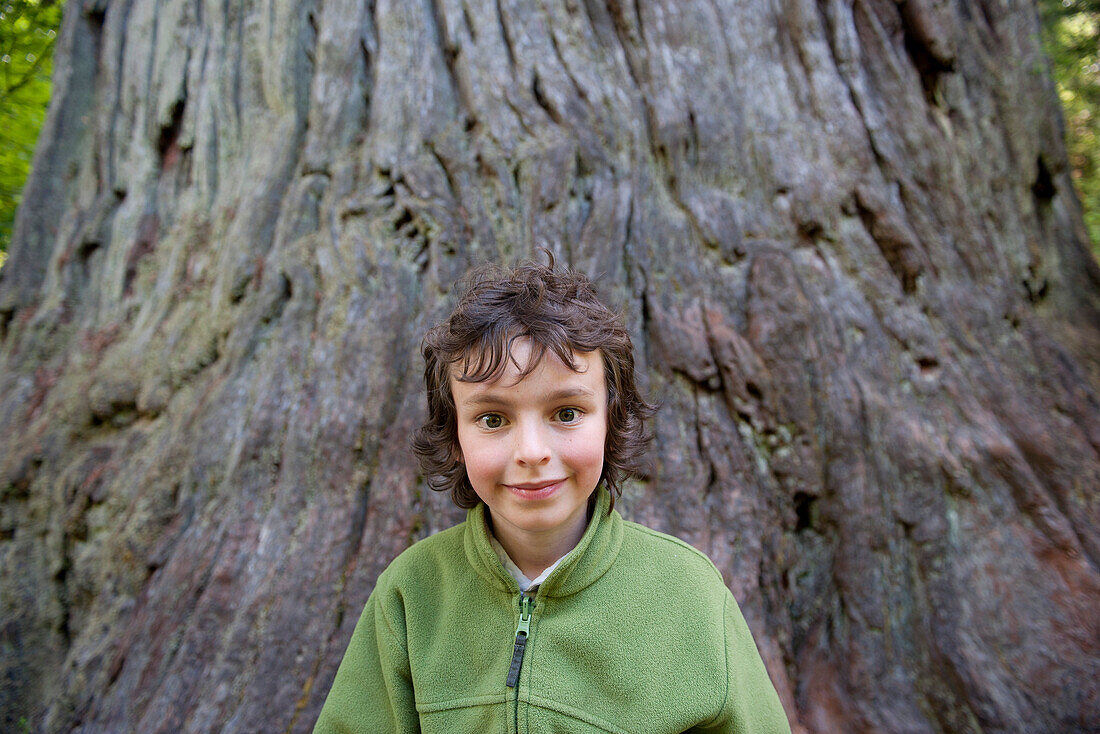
(589, 456)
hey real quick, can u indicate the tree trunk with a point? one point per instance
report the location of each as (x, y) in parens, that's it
(843, 234)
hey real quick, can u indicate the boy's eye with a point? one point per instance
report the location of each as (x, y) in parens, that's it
(490, 420)
(568, 415)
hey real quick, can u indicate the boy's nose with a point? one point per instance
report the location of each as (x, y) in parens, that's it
(532, 448)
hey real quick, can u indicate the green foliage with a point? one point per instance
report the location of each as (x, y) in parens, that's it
(1071, 34)
(28, 29)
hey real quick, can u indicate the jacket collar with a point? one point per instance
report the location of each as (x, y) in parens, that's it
(587, 562)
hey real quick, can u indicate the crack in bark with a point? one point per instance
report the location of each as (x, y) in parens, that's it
(506, 35)
(896, 245)
(107, 177)
(235, 62)
(368, 47)
(554, 44)
(450, 52)
(641, 77)
(542, 101)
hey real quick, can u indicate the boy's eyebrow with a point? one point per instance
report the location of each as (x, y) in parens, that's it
(571, 392)
(498, 398)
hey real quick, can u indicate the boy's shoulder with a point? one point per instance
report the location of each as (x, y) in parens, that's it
(431, 555)
(665, 555)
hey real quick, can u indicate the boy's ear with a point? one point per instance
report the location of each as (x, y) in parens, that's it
(456, 455)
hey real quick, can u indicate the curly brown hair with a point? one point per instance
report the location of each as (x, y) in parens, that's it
(557, 309)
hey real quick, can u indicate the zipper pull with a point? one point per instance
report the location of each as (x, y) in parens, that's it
(523, 630)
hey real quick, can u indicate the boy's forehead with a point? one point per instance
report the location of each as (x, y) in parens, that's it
(516, 365)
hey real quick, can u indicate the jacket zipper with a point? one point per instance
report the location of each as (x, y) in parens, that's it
(523, 632)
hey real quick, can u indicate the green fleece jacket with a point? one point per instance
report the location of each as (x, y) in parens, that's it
(634, 632)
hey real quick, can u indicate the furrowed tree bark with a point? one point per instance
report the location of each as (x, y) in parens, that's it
(843, 233)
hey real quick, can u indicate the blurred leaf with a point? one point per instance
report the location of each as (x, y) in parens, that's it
(28, 31)
(1071, 34)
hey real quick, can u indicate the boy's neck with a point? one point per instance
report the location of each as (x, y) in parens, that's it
(534, 552)
(533, 561)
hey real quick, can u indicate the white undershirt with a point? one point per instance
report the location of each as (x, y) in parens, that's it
(525, 584)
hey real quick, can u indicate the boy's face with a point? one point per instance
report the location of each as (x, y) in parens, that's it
(533, 449)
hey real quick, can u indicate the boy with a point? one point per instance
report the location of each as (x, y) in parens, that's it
(544, 611)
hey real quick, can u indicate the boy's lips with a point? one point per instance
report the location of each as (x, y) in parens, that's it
(536, 490)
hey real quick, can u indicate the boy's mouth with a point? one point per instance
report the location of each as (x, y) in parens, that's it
(536, 490)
